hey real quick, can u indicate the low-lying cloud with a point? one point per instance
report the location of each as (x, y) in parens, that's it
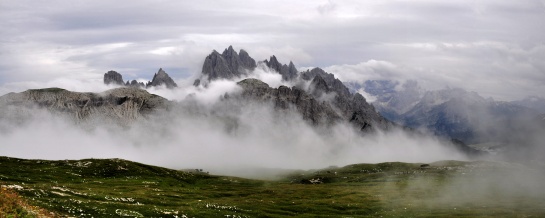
(204, 130)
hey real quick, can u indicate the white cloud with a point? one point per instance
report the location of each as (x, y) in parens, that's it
(446, 43)
(283, 54)
(217, 136)
(164, 50)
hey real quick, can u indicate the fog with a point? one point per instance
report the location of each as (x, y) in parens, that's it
(238, 137)
(203, 130)
(479, 187)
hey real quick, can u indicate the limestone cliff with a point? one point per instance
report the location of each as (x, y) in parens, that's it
(122, 105)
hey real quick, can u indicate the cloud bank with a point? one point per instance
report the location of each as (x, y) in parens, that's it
(492, 47)
(207, 131)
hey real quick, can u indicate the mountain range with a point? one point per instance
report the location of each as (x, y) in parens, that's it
(452, 112)
(318, 97)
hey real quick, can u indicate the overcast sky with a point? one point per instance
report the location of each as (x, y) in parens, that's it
(494, 47)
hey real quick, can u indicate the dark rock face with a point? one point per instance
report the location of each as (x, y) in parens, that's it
(135, 83)
(352, 107)
(246, 61)
(197, 82)
(288, 72)
(335, 84)
(112, 77)
(338, 104)
(162, 78)
(215, 66)
(361, 113)
(292, 71)
(274, 64)
(227, 65)
(318, 86)
(317, 113)
(120, 104)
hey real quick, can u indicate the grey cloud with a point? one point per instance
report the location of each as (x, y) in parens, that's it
(415, 36)
(206, 131)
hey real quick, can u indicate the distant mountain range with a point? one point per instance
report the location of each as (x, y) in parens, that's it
(451, 112)
(317, 96)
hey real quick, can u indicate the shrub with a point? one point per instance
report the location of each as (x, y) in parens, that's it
(11, 205)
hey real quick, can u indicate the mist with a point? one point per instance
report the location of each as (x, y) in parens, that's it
(207, 131)
(470, 187)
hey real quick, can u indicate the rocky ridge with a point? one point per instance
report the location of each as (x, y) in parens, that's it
(312, 102)
(283, 98)
(162, 78)
(451, 112)
(159, 79)
(352, 107)
(123, 105)
(288, 72)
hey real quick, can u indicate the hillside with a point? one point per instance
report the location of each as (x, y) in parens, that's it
(114, 187)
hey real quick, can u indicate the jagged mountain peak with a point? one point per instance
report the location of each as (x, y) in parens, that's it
(333, 83)
(349, 107)
(227, 65)
(230, 64)
(159, 78)
(162, 78)
(229, 52)
(288, 72)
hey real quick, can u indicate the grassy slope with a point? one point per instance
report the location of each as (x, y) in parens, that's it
(104, 188)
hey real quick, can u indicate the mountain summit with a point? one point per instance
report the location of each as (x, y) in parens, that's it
(227, 65)
(162, 78)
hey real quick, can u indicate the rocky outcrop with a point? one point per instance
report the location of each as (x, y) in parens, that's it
(333, 83)
(215, 66)
(231, 64)
(162, 78)
(122, 105)
(288, 72)
(318, 87)
(317, 113)
(159, 79)
(227, 65)
(246, 61)
(136, 84)
(112, 77)
(352, 107)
